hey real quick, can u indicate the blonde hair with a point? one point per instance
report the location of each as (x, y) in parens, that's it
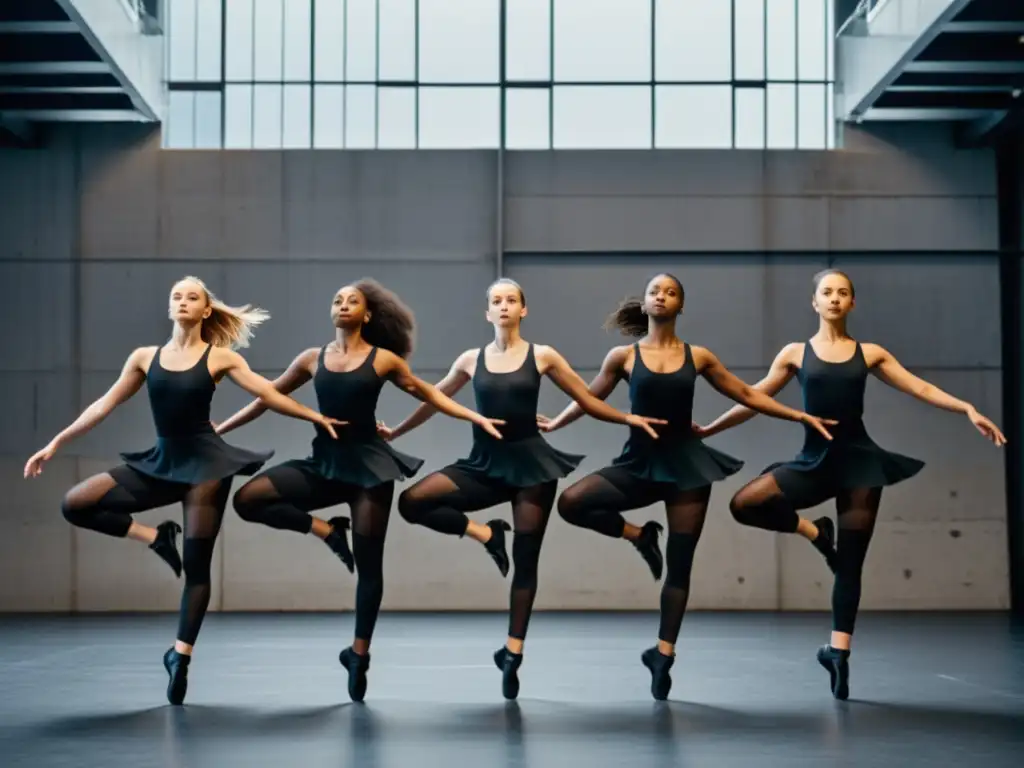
(226, 326)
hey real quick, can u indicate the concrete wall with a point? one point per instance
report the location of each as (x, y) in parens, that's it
(98, 225)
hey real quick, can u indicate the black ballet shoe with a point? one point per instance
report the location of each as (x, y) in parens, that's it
(166, 545)
(509, 664)
(495, 546)
(650, 550)
(837, 663)
(176, 665)
(337, 540)
(357, 666)
(659, 664)
(826, 541)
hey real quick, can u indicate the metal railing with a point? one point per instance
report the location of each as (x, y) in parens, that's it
(148, 15)
(856, 23)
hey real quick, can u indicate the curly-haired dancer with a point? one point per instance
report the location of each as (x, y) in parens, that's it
(374, 334)
(190, 463)
(679, 469)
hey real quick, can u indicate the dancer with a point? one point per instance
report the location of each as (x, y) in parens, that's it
(677, 471)
(374, 334)
(832, 368)
(189, 463)
(522, 469)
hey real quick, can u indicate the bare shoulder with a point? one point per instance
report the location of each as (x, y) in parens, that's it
(545, 353)
(466, 362)
(224, 359)
(142, 357)
(618, 356)
(873, 353)
(791, 355)
(387, 361)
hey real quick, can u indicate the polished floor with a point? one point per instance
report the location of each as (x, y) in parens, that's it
(266, 690)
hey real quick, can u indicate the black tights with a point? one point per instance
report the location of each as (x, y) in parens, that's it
(282, 498)
(106, 502)
(441, 500)
(598, 501)
(762, 504)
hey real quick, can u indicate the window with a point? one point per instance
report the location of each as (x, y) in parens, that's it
(528, 39)
(602, 40)
(397, 74)
(602, 117)
(693, 40)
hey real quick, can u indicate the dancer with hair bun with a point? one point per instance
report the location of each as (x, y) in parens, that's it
(832, 369)
(522, 469)
(679, 469)
(190, 463)
(374, 333)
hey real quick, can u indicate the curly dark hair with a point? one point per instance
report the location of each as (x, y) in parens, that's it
(392, 324)
(826, 272)
(629, 319)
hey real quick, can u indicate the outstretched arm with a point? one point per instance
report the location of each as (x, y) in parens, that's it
(235, 366)
(398, 371)
(719, 377)
(602, 386)
(782, 370)
(455, 380)
(886, 367)
(297, 374)
(133, 376)
(555, 366)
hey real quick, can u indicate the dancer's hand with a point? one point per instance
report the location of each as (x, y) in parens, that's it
(819, 424)
(384, 430)
(698, 430)
(545, 424)
(34, 466)
(488, 426)
(644, 423)
(986, 427)
(329, 424)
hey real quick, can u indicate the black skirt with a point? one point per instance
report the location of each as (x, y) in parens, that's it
(684, 462)
(364, 462)
(519, 463)
(195, 459)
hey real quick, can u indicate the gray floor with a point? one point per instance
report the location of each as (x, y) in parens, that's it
(267, 690)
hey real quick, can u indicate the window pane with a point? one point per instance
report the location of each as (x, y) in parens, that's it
(397, 40)
(602, 40)
(329, 29)
(830, 26)
(459, 41)
(266, 116)
(182, 39)
(528, 40)
(811, 41)
(328, 115)
(361, 38)
(296, 117)
(749, 25)
(360, 116)
(528, 118)
(602, 117)
(830, 117)
(179, 127)
(207, 120)
(750, 118)
(208, 40)
(269, 41)
(396, 118)
(782, 40)
(238, 117)
(459, 118)
(297, 18)
(781, 116)
(238, 56)
(693, 40)
(693, 116)
(811, 116)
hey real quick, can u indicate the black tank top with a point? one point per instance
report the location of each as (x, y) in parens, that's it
(509, 396)
(349, 396)
(180, 400)
(834, 391)
(666, 396)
